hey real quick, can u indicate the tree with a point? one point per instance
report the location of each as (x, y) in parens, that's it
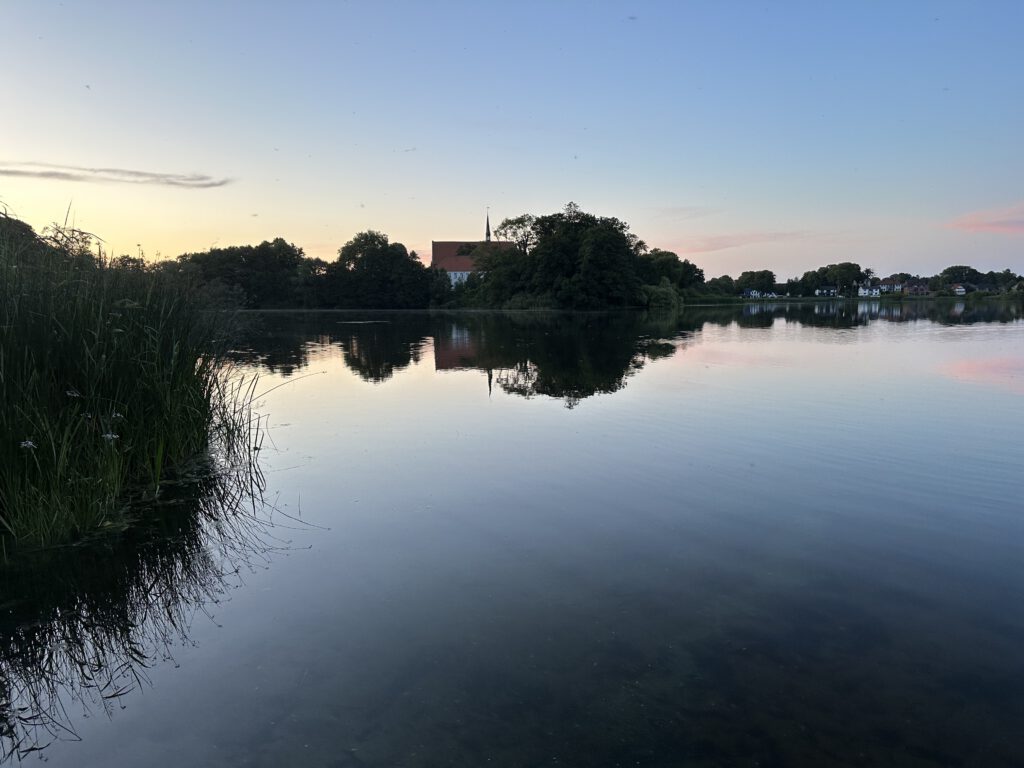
(721, 286)
(518, 230)
(761, 280)
(657, 264)
(372, 272)
(268, 274)
(961, 274)
(570, 259)
(844, 276)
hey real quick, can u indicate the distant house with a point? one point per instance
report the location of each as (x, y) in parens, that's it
(456, 256)
(959, 290)
(917, 289)
(872, 291)
(891, 285)
(751, 293)
(826, 290)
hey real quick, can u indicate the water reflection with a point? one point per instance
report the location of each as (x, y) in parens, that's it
(565, 356)
(568, 357)
(778, 551)
(80, 626)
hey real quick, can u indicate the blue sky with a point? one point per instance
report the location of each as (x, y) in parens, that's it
(778, 135)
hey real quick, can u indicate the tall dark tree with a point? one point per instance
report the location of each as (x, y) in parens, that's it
(518, 230)
(375, 273)
(656, 264)
(570, 259)
(961, 274)
(266, 274)
(761, 280)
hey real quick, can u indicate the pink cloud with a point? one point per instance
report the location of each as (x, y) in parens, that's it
(738, 240)
(1005, 221)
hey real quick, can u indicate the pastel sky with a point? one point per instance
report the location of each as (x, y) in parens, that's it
(769, 135)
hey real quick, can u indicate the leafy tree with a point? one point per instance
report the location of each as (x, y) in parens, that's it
(441, 292)
(657, 264)
(721, 286)
(961, 274)
(267, 274)
(845, 276)
(761, 280)
(606, 268)
(518, 230)
(569, 259)
(372, 272)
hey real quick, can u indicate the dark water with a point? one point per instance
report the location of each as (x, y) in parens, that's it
(760, 536)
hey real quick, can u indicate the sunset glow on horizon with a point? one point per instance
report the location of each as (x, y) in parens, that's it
(783, 137)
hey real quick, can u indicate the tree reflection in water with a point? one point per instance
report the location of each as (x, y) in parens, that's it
(563, 355)
(80, 626)
(569, 356)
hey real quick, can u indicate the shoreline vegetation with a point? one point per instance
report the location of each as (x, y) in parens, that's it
(114, 373)
(568, 260)
(113, 383)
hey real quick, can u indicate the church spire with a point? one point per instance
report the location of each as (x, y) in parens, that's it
(487, 237)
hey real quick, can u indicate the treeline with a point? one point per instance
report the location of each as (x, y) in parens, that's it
(570, 259)
(846, 278)
(566, 260)
(370, 273)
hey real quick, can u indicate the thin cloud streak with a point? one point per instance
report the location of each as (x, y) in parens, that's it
(738, 240)
(110, 175)
(1004, 221)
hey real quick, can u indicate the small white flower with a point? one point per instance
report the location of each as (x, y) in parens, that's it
(28, 444)
(73, 393)
(116, 415)
(109, 437)
(86, 415)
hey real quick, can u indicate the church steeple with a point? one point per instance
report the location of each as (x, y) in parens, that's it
(487, 236)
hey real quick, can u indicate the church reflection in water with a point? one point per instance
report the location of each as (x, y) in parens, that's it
(569, 356)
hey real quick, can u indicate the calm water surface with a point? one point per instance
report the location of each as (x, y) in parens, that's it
(747, 536)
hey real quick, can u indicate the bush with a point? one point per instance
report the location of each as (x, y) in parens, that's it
(662, 297)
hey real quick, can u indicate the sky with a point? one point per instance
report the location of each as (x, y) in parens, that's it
(741, 135)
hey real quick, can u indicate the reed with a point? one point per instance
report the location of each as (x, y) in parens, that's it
(111, 376)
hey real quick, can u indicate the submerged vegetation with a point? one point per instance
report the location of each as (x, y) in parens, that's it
(111, 380)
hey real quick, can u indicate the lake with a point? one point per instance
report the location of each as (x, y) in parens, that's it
(761, 535)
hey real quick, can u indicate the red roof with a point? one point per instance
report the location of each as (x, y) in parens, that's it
(445, 255)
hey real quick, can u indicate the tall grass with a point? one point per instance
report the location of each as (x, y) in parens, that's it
(110, 377)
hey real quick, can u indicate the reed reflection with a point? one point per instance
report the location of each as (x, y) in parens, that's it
(81, 626)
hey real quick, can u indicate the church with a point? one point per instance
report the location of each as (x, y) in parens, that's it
(455, 256)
